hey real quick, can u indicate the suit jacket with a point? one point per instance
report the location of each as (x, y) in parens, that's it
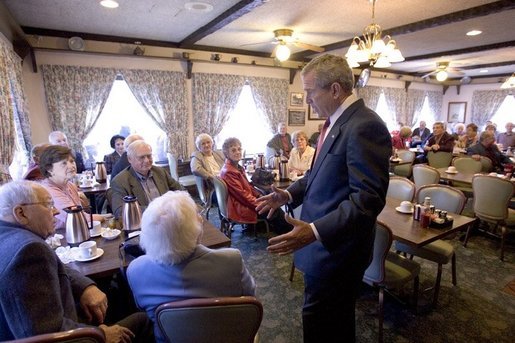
(492, 152)
(79, 162)
(343, 193)
(127, 183)
(122, 163)
(37, 292)
(424, 135)
(199, 165)
(206, 273)
(241, 202)
(110, 161)
(446, 142)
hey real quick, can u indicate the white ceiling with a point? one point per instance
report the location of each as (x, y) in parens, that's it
(321, 22)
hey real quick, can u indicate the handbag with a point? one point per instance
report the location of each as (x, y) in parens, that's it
(263, 177)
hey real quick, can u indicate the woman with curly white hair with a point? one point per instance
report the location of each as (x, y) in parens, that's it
(176, 266)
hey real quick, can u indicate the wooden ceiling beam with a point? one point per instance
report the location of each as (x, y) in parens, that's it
(233, 13)
(471, 13)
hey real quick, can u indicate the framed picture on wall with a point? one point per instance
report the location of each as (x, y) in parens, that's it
(456, 112)
(296, 117)
(312, 115)
(297, 99)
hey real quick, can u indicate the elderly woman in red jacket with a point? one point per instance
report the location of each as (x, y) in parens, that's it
(241, 202)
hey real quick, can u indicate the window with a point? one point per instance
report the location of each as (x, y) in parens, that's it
(384, 112)
(425, 115)
(123, 115)
(504, 114)
(20, 161)
(247, 124)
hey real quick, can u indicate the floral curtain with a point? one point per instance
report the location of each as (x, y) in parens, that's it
(214, 96)
(14, 119)
(396, 101)
(370, 95)
(414, 104)
(435, 100)
(75, 98)
(271, 97)
(163, 95)
(485, 104)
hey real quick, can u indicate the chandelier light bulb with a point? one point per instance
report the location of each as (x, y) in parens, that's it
(442, 75)
(282, 52)
(382, 62)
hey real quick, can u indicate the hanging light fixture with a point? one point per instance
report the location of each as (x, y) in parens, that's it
(442, 75)
(509, 83)
(282, 52)
(379, 52)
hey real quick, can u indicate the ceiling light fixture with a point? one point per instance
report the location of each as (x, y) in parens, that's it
(282, 52)
(483, 71)
(109, 3)
(509, 83)
(442, 75)
(198, 6)
(379, 52)
(474, 33)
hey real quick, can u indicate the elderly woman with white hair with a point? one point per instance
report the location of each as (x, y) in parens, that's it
(301, 155)
(206, 162)
(176, 266)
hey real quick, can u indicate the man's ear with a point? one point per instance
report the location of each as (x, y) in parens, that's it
(20, 216)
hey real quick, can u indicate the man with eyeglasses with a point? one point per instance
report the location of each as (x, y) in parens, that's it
(141, 179)
(38, 292)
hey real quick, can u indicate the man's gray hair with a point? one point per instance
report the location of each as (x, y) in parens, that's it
(15, 193)
(52, 137)
(203, 137)
(133, 147)
(485, 134)
(131, 138)
(329, 69)
(170, 229)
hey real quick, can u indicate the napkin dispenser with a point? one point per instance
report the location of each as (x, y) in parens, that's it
(131, 215)
(77, 229)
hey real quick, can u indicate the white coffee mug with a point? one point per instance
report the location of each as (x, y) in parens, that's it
(451, 169)
(406, 206)
(88, 249)
(97, 228)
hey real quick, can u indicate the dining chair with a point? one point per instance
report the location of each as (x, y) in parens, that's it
(401, 189)
(425, 175)
(444, 198)
(213, 320)
(389, 270)
(439, 159)
(79, 335)
(491, 198)
(404, 169)
(466, 165)
(185, 181)
(227, 224)
(205, 195)
(486, 164)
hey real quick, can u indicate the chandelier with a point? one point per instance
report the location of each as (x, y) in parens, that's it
(509, 83)
(377, 51)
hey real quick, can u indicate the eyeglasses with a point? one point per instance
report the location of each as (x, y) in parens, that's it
(47, 204)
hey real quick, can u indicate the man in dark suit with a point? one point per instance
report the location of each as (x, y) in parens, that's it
(420, 135)
(341, 197)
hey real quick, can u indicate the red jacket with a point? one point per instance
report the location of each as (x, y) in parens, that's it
(241, 202)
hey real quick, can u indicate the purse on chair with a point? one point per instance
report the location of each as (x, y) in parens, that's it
(262, 177)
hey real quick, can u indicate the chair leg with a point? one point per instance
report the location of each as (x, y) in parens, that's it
(437, 285)
(380, 314)
(504, 233)
(416, 282)
(471, 227)
(292, 271)
(453, 268)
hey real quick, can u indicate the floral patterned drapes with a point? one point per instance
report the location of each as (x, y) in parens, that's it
(435, 100)
(163, 95)
(75, 98)
(271, 97)
(370, 95)
(14, 119)
(485, 104)
(414, 104)
(214, 95)
(396, 100)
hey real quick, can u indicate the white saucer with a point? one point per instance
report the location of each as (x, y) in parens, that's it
(111, 234)
(451, 172)
(398, 209)
(100, 252)
(95, 235)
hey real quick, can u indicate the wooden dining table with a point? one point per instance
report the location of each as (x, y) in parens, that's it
(92, 192)
(459, 176)
(407, 230)
(109, 263)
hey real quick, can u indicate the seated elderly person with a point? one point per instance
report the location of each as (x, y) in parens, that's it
(58, 167)
(313, 140)
(470, 137)
(205, 162)
(59, 138)
(507, 139)
(123, 162)
(301, 155)
(440, 141)
(459, 131)
(38, 293)
(486, 147)
(110, 160)
(241, 202)
(176, 266)
(141, 179)
(402, 140)
(34, 173)
(281, 141)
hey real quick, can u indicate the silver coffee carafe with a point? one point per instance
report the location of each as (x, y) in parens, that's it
(131, 215)
(100, 172)
(260, 161)
(77, 229)
(284, 174)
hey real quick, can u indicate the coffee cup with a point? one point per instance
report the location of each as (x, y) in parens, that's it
(88, 249)
(452, 169)
(97, 228)
(85, 183)
(406, 206)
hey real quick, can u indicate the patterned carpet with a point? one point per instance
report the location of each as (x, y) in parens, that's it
(476, 310)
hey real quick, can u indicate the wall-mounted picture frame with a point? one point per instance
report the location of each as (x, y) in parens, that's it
(456, 112)
(297, 99)
(312, 115)
(296, 117)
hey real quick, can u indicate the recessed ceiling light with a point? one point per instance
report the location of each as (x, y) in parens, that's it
(474, 33)
(109, 3)
(483, 71)
(198, 6)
